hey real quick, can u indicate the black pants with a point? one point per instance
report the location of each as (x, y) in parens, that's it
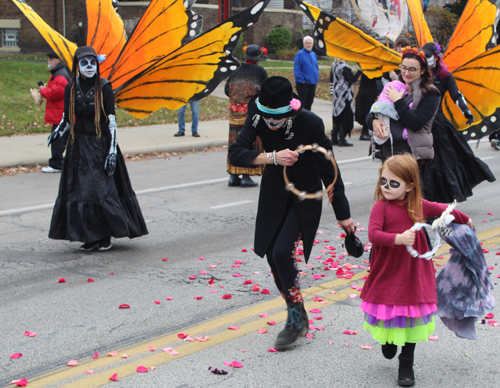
(57, 148)
(306, 94)
(281, 258)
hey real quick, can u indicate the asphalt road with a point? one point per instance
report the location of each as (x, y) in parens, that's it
(200, 224)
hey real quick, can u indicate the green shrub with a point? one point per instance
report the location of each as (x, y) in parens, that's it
(286, 54)
(238, 51)
(279, 38)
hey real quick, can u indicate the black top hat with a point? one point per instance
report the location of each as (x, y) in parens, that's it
(52, 54)
(353, 245)
(254, 52)
(85, 51)
(275, 99)
(430, 49)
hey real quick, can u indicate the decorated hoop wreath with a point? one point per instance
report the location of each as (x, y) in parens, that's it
(302, 194)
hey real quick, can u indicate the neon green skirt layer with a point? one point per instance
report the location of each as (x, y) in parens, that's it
(399, 335)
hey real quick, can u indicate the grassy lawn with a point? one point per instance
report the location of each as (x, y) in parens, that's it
(20, 116)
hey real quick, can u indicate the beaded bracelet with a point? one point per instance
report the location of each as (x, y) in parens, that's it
(274, 158)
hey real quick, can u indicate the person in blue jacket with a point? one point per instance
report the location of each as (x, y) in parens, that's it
(306, 71)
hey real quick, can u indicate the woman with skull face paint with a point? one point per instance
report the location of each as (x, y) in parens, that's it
(399, 296)
(96, 200)
(277, 117)
(454, 171)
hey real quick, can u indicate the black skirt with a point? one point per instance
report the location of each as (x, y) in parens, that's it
(455, 170)
(92, 205)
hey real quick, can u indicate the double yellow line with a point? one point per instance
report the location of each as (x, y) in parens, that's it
(248, 320)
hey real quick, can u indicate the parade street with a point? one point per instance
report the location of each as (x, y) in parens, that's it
(181, 322)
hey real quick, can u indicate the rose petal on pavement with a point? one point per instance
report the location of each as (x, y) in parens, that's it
(315, 311)
(201, 258)
(367, 347)
(72, 363)
(489, 316)
(152, 349)
(95, 356)
(272, 323)
(90, 280)
(236, 364)
(152, 368)
(62, 280)
(142, 369)
(433, 337)
(308, 335)
(192, 277)
(16, 355)
(29, 334)
(227, 296)
(124, 306)
(233, 328)
(317, 317)
(198, 297)
(265, 291)
(174, 352)
(157, 302)
(169, 298)
(274, 350)
(182, 335)
(88, 372)
(114, 377)
(493, 323)
(256, 288)
(124, 355)
(237, 275)
(20, 383)
(263, 315)
(113, 354)
(213, 291)
(166, 349)
(262, 330)
(352, 296)
(165, 258)
(349, 332)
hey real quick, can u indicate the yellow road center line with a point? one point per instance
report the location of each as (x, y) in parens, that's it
(128, 367)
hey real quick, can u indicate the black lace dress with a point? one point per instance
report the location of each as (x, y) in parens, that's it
(91, 205)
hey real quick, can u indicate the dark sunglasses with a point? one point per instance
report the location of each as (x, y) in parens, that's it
(85, 62)
(393, 184)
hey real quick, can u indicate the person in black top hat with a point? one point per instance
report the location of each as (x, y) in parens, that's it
(96, 200)
(53, 92)
(240, 88)
(277, 117)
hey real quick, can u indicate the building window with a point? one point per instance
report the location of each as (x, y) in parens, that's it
(10, 37)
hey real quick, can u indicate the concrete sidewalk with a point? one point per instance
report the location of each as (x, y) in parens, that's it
(32, 149)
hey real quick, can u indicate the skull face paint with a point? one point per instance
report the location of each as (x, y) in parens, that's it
(430, 61)
(88, 66)
(273, 123)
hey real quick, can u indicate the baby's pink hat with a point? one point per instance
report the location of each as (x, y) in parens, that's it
(398, 85)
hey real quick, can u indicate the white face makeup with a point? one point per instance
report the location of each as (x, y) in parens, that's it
(393, 187)
(274, 124)
(88, 66)
(430, 61)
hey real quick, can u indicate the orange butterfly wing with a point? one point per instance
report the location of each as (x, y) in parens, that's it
(165, 26)
(105, 33)
(422, 32)
(472, 34)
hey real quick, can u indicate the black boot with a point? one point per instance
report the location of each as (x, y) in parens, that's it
(304, 317)
(406, 377)
(246, 181)
(234, 180)
(294, 328)
(344, 143)
(389, 351)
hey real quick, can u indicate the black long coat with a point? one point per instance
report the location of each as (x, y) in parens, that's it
(307, 174)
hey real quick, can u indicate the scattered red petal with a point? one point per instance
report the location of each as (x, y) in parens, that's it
(485, 250)
(227, 296)
(272, 323)
(142, 369)
(316, 277)
(490, 213)
(237, 275)
(308, 335)
(201, 258)
(88, 372)
(274, 350)
(152, 349)
(16, 355)
(249, 281)
(433, 337)
(317, 318)
(198, 297)
(493, 323)
(347, 345)
(244, 250)
(114, 377)
(124, 355)
(315, 311)
(316, 299)
(90, 280)
(124, 306)
(113, 353)
(203, 272)
(62, 280)
(491, 268)
(233, 328)
(157, 302)
(20, 383)
(263, 315)
(165, 259)
(256, 288)
(192, 277)
(350, 332)
(238, 262)
(262, 330)
(265, 291)
(489, 316)
(236, 364)
(95, 356)
(366, 347)
(29, 334)
(182, 335)
(72, 363)
(169, 298)
(210, 281)
(112, 273)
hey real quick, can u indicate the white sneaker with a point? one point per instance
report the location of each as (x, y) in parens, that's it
(50, 169)
(495, 144)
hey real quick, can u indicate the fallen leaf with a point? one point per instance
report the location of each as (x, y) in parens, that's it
(113, 354)
(29, 334)
(124, 306)
(265, 291)
(262, 330)
(16, 355)
(142, 369)
(227, 296)
(72, 363)
(233, 328)
(114, 377)
(90, 280)
(62, 280)
(274, 350)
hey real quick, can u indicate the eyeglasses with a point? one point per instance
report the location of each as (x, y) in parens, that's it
(410, 70)
(393, 184)
(85, 62)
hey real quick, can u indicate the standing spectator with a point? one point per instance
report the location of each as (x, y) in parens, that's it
(341, 80)
(54, 94)
(240, 88)
(305, 68)
(181, 114)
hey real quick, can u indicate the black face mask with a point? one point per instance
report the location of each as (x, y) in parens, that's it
(393, 184)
